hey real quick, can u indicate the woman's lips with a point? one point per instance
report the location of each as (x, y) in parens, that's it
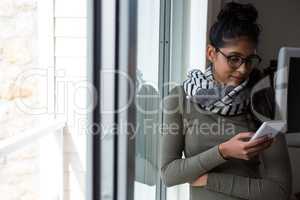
(237, 78)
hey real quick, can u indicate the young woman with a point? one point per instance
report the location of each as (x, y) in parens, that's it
(209, 119)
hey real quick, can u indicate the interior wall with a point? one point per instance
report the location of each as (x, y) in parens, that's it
(280, 23)
(281, 27)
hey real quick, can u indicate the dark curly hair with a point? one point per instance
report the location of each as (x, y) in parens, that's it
(235, 20)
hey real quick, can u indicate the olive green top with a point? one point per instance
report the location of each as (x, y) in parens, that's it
(189, 149)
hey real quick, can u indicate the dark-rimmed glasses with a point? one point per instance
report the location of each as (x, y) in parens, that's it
(235, 61)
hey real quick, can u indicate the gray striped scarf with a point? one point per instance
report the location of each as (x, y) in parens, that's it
(214, 97)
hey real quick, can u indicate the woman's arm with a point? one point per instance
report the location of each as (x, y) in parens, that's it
(175, 169)
(275, 183)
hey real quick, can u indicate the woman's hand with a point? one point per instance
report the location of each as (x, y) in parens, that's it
(201, 181)
(239, 146)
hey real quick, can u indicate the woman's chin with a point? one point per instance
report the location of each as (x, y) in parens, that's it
(235, 81)
(232, 82)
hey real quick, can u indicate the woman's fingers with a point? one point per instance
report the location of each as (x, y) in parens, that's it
(244, 135)
(250, 155)
(261, 147)
(257, 142)
(236, 147)
(256, 150)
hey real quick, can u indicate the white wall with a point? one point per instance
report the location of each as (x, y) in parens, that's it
(71, 83)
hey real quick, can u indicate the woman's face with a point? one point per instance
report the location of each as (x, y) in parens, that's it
(223, 72)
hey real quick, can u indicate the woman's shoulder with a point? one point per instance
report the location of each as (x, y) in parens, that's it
(175, 98)
(177, 91)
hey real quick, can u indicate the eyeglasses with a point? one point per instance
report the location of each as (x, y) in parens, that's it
(235, 61)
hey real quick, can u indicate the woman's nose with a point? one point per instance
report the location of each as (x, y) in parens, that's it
(243, 69)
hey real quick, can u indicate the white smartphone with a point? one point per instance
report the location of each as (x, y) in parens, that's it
(270, 129)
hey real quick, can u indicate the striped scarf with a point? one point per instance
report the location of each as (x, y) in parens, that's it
(214, 97)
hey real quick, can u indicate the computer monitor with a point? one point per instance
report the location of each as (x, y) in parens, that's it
(287, 88)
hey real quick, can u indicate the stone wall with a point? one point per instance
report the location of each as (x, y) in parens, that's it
(18, 41)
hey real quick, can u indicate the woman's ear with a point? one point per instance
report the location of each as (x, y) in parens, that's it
(211, 53)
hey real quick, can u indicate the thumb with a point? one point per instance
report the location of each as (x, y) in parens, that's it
(245, 135)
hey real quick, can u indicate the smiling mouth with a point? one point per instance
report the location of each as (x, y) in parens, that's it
(237, 78)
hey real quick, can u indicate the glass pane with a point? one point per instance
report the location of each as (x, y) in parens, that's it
(20, 174)
(31, 169)
(42, 77)
(147, 101)
(23, 95)
(187, 51)
(71, 88)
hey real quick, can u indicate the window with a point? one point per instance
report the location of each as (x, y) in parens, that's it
(153, 45)
(43, 99)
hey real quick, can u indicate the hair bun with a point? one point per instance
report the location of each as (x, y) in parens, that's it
(238, 12)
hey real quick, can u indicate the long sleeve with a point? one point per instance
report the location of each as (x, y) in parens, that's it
(175, 169)
(275, 181)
